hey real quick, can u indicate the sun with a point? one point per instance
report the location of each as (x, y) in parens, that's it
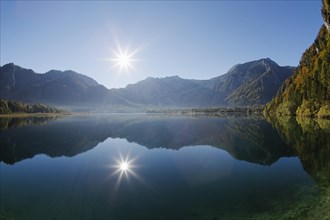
(123, 59)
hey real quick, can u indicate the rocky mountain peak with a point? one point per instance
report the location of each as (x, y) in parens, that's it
(326, 13)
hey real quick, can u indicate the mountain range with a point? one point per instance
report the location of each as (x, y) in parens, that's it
(249, 84)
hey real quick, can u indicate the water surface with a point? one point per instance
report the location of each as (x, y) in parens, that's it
(179, 168)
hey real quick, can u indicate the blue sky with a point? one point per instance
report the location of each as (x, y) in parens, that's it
(192, 39)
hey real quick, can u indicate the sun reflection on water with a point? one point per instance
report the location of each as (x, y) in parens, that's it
(124, 168)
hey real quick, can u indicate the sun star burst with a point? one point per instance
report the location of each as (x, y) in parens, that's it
(123, 60)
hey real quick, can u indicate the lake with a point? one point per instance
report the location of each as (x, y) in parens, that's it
(139, 166)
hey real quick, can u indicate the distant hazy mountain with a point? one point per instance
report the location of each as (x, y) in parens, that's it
(54, 87)
(170, 91)
(251, 83)
(247, 84)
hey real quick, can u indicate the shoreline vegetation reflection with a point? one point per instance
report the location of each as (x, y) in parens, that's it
(311, 140)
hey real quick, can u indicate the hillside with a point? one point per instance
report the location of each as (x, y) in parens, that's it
(307, 92)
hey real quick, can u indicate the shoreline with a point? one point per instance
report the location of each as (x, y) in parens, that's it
(26, 115)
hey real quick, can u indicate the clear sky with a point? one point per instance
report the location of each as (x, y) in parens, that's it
(191, 39)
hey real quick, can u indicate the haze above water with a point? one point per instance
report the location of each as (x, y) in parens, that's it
(176, 168)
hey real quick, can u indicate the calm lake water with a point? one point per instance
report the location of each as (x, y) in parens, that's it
(164, 167)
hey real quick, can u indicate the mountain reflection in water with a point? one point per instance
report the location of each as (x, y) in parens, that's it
(249, 139)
